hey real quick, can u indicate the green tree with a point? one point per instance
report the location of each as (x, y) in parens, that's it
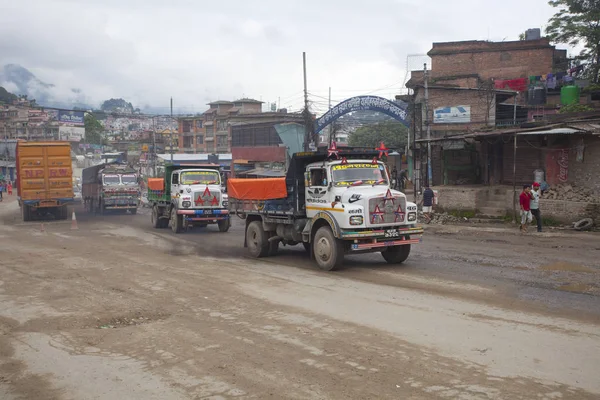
(392, 134)
(93, 130)
(577, 22)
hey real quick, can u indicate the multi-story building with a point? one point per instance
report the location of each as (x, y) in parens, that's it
(211, 131)
(474, 85)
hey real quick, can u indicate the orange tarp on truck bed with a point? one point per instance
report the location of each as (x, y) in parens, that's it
(257, 189)
(156, 183)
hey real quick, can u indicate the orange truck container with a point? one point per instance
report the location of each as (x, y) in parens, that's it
(44, 178)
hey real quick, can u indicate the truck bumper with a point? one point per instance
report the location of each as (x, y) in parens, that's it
(204, 215)
(375, 239)
(47, 203)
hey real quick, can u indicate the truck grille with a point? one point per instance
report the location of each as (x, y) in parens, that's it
(207, 198)
(388, 209)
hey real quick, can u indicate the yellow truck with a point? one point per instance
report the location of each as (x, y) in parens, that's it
(44, 179)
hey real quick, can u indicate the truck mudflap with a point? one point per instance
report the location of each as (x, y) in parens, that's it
(371, 239)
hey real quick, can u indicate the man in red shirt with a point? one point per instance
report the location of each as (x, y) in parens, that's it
(525, 201)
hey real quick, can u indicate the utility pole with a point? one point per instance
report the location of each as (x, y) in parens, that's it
(154, 147)
(171, 132)
(427, 123)
(307, 121)
(332, 129)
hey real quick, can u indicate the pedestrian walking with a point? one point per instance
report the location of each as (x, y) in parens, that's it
(534, 204)
(428, 196)
(1, 190)
(9, 187)
(525, 202)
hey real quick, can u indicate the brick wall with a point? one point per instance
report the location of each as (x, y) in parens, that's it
(450, 98)
(587, 172)
(492, 59)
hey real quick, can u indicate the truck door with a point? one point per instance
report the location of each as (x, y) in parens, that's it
(175, 183)
(316, 191)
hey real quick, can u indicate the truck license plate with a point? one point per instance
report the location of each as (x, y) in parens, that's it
(391, 233)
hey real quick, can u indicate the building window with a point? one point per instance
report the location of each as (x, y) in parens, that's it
(188, 142)
(210, 131)
(198, 124)
(187, 126)
(222, 141)
(209, 117)
(222, 125)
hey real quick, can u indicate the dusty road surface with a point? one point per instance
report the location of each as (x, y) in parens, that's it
(117, 310)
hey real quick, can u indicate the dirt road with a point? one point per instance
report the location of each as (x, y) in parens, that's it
(116, 310)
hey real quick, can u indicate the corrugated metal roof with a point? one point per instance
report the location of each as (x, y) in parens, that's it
(555, 131)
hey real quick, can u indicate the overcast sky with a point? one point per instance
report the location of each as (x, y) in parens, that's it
(198, 51)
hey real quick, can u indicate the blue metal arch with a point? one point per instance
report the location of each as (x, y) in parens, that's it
(358, 103)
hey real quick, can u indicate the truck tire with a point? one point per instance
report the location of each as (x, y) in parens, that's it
(256, 239)
(396, 254)
(176, 221)
(64, 212)
(328, 251)
(224, 225)
(133, 211)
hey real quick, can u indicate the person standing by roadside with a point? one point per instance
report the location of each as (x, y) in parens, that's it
(9, 187)
(428, 196)
(534, 204)
(525, 202)
(1, 190)
(394, 178)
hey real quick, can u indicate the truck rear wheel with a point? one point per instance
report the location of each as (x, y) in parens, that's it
(176, 221)
(133, 211)
(256, 239)
(224, 225)
(328, 251)
(396, 254)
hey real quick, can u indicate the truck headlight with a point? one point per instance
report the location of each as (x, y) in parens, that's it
(356, 220)
(412, 216)
(186, 204)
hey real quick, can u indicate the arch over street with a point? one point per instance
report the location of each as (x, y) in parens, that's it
(358, 103)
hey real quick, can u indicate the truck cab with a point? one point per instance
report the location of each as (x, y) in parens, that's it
(357, 194)
(188, 196)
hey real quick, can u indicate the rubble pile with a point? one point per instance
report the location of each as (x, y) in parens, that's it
(442, 218)
(569, 192)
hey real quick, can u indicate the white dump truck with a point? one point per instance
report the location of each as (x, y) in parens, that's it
(333, 206)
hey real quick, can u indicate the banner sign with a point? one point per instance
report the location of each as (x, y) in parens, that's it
(71, 117)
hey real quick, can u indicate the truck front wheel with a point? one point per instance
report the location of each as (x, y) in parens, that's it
(396, 254)
(176, 221)
(224, 225)
(256, 239)
(328, 251)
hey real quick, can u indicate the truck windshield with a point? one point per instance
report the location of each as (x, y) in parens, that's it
(111, 179)
(200, 177)
(352, 174)
(128, 179)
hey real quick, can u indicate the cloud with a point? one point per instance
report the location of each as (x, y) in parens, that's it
(147, 51)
